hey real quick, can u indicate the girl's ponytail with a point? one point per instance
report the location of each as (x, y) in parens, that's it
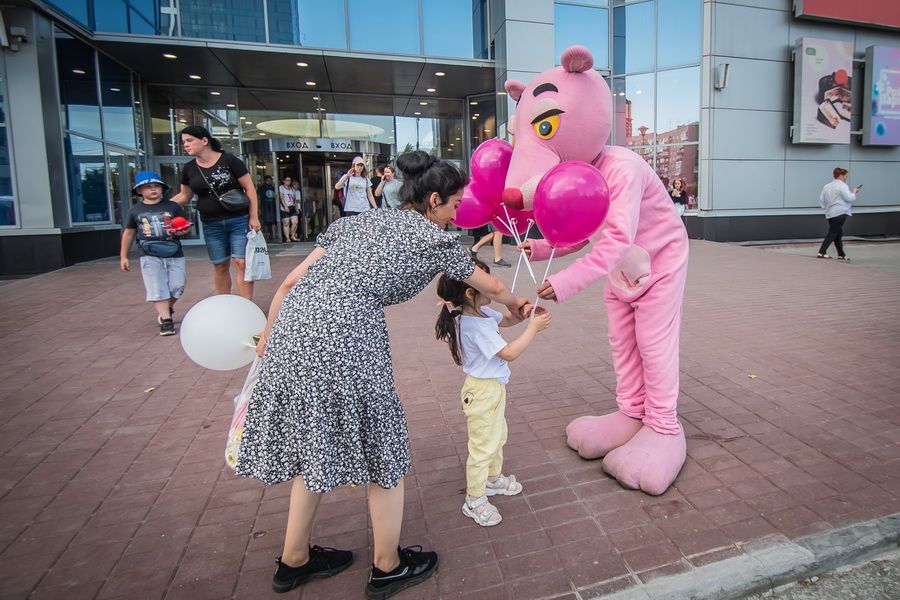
(453, 294)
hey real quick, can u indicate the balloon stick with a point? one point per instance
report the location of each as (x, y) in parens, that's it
(515, 234)
(546, 271)
(521, 254)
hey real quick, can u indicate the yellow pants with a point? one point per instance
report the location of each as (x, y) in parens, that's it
(484, 404)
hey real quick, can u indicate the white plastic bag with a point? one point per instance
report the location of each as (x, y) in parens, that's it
(241, 402)
(257, 265)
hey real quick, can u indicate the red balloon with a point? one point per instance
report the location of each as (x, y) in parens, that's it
(473, 210)
(489, 165)
(570, 203)
(520, 220)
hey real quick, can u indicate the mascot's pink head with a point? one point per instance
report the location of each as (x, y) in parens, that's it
(565, 113)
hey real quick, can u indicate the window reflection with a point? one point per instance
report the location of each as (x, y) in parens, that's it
(173, 109)
(633, 103)
(379, 30)
(7, 201)
(678, 107)
(633, 38)
(118, 110)
(679, 161)
(283, 20)
(224, 20)
(322, 24)
(80, 110)
(586, 26)
(122, 169)
(482, 119)
(449, 27)
(417, 133)
(86, 170)
(679, 33)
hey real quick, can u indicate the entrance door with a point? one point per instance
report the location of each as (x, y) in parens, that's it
(170, 168)
(335, 169)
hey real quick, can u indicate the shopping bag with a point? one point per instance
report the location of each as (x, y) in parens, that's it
(257, 266)
(241, 402)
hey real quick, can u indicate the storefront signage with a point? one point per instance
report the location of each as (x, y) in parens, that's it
(881, 102)
(822, 91)
(313, 145)
(878, 13)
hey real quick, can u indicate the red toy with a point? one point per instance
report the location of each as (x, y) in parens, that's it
(179, 224)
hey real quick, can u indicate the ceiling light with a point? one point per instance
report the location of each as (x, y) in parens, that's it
(230, 105)
(115, 90)
(137, 101)
(639, 92)
(262, 133)
(621, 94)
(243, 118)
(431, 90)
(320, 108)
(474, 118)
(439, 73)
(457, 139)
(195, 77)
(315, 98)
(423, 104)
(169, 55)
(182, 120)
(487, 130)
(78, 71)
(477, 114)
(417, 113)
(248, 122)
(302, 64)
(215, 93)
(473, 103)
(310, 83)
(501, 93)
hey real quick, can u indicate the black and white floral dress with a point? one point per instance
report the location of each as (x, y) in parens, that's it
(325, 406)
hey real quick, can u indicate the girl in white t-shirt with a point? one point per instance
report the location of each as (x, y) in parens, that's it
(467, 324)
(357, 188)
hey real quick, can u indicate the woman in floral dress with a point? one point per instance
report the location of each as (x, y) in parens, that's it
(325, 411)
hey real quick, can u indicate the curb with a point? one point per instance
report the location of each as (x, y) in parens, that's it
(766, 567)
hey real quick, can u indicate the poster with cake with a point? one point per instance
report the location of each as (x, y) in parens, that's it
(822, 91)
(881, 97)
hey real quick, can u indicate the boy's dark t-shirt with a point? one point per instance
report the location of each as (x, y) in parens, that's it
(152, 220)
(223, 176)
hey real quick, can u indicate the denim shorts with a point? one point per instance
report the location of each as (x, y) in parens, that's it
(226, 239)
(164, 278)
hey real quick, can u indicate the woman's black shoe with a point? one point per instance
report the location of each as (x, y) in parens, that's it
(415, 567)
(323, 562)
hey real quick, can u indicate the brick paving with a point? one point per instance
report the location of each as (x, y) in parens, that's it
(113, 482)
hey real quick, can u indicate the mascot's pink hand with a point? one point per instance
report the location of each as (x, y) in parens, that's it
(540, 250)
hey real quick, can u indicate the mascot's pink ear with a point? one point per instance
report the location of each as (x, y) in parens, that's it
(514, 88)
(577, 59)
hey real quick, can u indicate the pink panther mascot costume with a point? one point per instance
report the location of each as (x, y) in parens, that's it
(565, 114)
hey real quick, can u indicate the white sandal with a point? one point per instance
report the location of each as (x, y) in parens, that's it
(504, 485)
(482, 512)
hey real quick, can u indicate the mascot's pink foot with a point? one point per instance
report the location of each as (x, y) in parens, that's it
(650, 461)
(594, 437)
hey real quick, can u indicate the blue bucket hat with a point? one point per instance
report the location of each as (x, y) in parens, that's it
(145, 177)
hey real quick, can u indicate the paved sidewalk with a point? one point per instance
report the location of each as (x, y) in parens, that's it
(113, 482)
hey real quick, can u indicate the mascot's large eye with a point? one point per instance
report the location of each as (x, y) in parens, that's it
(545, 125)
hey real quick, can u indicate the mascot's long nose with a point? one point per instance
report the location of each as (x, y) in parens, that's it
(512, 198)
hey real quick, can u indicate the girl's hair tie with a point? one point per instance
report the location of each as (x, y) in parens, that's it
(451, 308)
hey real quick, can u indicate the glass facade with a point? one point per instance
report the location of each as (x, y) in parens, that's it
(7, 198)
(585, 24)
(101, 129)
(442, 28)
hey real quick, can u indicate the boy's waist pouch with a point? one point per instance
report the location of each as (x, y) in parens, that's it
(160, 248)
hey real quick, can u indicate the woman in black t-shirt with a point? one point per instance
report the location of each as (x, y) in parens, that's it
(211, 174)
(679, 194)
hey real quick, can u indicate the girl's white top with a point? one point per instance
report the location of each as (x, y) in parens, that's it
(480, 340)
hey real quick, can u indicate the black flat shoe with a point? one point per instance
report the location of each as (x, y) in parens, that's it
(323, 562)
(415, 567)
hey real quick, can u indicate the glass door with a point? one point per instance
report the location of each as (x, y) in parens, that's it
(123, 166)
(170, 168)
(334, 170)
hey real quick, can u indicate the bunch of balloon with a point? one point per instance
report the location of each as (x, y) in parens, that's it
(482, 200)
(570, 204)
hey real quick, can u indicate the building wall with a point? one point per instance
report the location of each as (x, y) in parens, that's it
(747, 163)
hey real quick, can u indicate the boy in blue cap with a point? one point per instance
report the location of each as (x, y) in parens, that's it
(157, 224)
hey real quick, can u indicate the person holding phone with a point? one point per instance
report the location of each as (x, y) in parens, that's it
(357, 188)
(836, 199)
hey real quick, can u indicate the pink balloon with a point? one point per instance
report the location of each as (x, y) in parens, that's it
(489, 165)
(570, 203)
(474, 209)
(520, 218)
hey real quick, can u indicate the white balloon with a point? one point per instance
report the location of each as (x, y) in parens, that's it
(217, 333)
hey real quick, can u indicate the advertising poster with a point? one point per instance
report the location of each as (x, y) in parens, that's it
(881, 97)
(822, 84)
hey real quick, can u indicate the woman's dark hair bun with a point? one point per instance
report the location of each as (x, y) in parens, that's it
(414, 164)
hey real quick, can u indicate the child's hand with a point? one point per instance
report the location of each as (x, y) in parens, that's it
(526, 248)
(124, 264)
(540, 319)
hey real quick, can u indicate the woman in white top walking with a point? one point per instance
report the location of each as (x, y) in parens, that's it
(288, 204)
(357, 188)
(837, 199)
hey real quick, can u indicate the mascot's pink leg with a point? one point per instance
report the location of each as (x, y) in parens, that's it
(594, 437)
(652, 459)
